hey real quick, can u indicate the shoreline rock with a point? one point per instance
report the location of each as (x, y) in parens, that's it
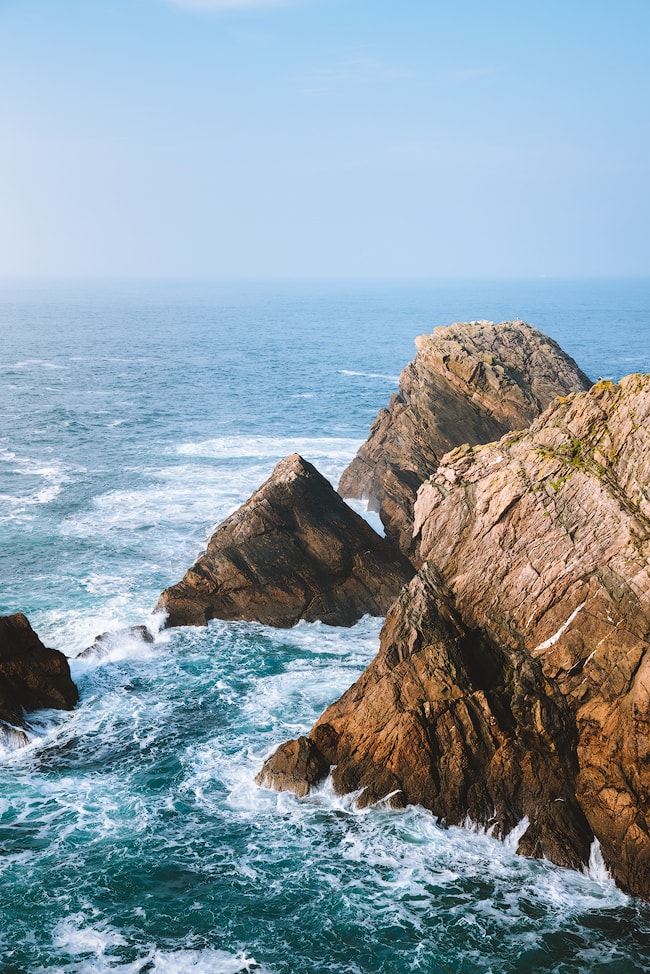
(513, 677)
(32, 677)
(470, 382)
(293, 551)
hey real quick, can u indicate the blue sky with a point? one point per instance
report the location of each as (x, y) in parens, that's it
(324, 138)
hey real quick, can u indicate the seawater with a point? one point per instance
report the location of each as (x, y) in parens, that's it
(134, 418)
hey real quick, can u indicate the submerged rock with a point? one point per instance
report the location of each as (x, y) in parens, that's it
(469, 383)
(513, 677)
(293, 551)
(106, 642)
(31, 676)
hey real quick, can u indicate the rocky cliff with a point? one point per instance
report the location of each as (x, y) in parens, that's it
(293, 551)
(513, 677)
(469, 383)
(31, 676)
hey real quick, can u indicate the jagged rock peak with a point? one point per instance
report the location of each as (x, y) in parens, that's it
(31, 676)
(470, 382)
(293, 551)
(513, 676)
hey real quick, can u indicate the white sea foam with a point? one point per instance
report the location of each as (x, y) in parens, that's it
(77, 938)
(36, 363)
(370, 375)
(329, 454)
(372, 517)
(596, 867)
(53, 474)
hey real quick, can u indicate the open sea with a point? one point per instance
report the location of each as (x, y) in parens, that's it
(133, 419)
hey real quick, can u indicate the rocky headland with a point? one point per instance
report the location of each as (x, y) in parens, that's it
(513, 676)
(469, 383)
(32, 677)
(293, 551)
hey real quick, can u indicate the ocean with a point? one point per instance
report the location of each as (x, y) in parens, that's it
(134, 418)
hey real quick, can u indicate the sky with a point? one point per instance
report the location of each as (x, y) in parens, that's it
(236, 139)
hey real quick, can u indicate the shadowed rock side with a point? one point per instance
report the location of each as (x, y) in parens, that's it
(31, 676)
(293, 551)
(469, 383)
(521, 683)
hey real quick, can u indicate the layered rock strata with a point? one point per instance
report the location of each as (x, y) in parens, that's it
(293, 551)
(31, 676)
(469, 383)
(513, 677)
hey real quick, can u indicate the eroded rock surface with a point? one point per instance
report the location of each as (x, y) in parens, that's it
(469, 383)
(513, 676)
(293, 551)
(32, 677)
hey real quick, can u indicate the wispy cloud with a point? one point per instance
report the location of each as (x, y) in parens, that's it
(207, 5)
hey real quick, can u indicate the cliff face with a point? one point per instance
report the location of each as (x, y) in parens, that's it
(31, 676)
(469, 383)
(293, 551)
(513, 677)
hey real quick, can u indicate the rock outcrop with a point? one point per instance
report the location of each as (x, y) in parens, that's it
(31, 676)
(107, 642)
(469, 383)
(293, 551)
(513, 677)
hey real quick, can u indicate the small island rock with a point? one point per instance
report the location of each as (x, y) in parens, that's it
(293, 551)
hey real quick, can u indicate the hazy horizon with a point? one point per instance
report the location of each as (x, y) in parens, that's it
(324, 140)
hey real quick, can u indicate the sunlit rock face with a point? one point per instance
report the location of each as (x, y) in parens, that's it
(469, 383)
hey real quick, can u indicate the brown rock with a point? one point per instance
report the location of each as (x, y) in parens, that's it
(295, 766)
(31, 676)
(293, 551)
(513, 677)
(544, 540)
(445, 719)
(469, 383)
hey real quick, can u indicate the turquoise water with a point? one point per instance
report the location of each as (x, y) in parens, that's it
(132, 837)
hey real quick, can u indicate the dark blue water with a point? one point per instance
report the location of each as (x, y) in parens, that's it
(132, 837)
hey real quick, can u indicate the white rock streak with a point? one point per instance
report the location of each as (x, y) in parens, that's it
(563, 628)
